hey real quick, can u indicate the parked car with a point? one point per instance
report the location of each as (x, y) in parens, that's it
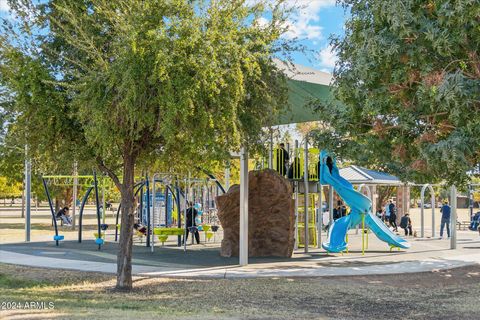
(425, 205)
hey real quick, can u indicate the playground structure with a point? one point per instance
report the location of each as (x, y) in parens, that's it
(308, 192)
(163, 211)
(159, 213)
(163, 201)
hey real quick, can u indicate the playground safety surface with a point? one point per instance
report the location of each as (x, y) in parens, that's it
(204, 260)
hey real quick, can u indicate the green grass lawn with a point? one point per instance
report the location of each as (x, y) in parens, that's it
(79, 295)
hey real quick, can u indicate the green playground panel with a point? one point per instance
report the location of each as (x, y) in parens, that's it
(168, 231)
(163, 233)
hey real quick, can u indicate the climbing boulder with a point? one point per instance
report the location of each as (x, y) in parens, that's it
(271, 216)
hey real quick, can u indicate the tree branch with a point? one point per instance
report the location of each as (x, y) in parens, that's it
(110, 172)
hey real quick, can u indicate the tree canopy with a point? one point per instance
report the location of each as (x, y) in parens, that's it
(407, 84)
(121, 84)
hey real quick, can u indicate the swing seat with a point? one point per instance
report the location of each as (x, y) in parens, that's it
(206, 227)
(58, 238)
(139, 234)
(99, 241)
(163, 238)
(104, 226)
(102, 235)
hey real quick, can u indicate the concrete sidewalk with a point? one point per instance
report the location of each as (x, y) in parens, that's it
(311, 268)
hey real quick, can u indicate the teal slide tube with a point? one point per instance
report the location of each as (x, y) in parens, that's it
(359, 205)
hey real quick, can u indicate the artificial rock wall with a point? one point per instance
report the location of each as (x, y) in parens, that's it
(271, 216)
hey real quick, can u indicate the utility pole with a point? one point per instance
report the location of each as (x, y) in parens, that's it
(75, 192)
(453, 218)
(28, 179)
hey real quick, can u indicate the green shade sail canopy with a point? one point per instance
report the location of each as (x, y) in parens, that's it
(304, 85)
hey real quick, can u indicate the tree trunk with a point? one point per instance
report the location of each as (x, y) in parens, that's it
(124, 258)
(57, 204)
(384, 193)
(67, 197)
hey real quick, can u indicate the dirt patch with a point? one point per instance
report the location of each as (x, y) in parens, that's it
(52, 276)
(462, 276)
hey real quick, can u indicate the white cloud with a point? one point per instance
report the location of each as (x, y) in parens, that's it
(4, 6)
(327, 58)
(305, 22)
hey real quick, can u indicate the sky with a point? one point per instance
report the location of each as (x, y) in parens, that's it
(314, 24)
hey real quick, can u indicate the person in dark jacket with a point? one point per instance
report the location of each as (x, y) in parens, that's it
(337, 212)
(329, 164)
(474, 224)
(344, 210)
(393, 216)
(445, 210)
(282, 159)
(294, 170)
(406, 224)
(63, 214)
(191, 225)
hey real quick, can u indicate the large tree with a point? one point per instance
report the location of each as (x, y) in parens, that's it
(129, 81)
(407, 84)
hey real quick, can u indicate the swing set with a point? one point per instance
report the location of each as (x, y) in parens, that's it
(91, 183)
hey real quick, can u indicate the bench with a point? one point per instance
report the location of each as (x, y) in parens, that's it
(463, 225)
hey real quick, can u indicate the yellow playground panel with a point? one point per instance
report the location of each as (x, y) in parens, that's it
(298, 163)
(312, 218)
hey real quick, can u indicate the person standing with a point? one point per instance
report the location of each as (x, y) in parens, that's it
(294, 169)
(326, 220)
(337, 212)
(386, 216)
(344, 210)
(445, 210)
(282, 159)
(393, 216)
(191, 225)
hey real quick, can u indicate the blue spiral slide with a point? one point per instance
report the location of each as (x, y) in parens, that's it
(359, 205)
